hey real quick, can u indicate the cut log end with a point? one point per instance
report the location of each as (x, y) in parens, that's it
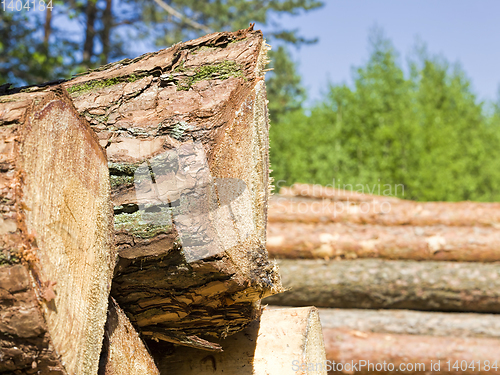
(61, 198)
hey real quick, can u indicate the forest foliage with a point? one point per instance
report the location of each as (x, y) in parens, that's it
(424, 130)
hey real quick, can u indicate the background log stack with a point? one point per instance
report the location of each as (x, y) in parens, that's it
(175, 145)
(341, 249)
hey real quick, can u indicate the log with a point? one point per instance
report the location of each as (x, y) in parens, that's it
(274, 344)
(404, 336)
(408, 354)
(408, 322)
(337, 194)
(56, 237)
(395, 284)
(292, 240)
(186, 135)
(123, 351)
(384, 211)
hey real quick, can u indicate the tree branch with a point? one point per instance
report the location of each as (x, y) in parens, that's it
(182, 17)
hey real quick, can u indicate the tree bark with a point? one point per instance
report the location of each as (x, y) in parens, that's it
(373, 284)
(414, 353)
(338, 241)
(56, 237)
(123, 351)
(274, 344)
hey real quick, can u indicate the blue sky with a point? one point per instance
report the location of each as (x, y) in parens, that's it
(466, 31)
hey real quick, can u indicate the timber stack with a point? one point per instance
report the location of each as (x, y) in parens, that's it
(395, 279)
(134, 212)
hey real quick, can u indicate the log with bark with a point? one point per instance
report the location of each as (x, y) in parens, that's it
(382, 211)
(281, 341)
(375, 283)
(350, 241)
(186, 135)
(384, 353)
(56, 236)
(408, 322)
(404, 337)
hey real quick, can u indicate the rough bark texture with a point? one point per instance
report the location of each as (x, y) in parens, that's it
(414, 352)
(350, 241)
(373, 283)
(123, 351)
(383, 211)
(186, 135)
(409, 322)
(270, 345)
(56, 234)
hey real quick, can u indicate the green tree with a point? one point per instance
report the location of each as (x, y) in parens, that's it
(283, 84)
(425, 131)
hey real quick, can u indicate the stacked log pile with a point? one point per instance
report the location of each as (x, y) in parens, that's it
(134, 211)
(345, 250)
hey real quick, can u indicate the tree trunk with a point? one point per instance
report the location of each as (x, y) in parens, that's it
(373, 284)
(107, 21)
(350, 241)
(56, 243)
(383, 211)
(47, 28)
(186, 135)
(280, 342)
(409, 354)
(88, 45)
(123, 351)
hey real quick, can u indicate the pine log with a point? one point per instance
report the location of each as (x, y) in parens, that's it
(403, 336)
(56, 237)
(186, 135)
(383, 211)
(408, 322)
(396, 284)
(123, 351)
(274, 344)
(338, 241)
(339, 195)
(408, 354)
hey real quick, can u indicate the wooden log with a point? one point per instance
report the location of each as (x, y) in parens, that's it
(375, 283)
(280, 342)
(404, 336)
(123, 351)
(186, 135)
(351, 241)
(384, 353)
(56, 237)
(384, 211)
(408, 322)
(337, 194)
